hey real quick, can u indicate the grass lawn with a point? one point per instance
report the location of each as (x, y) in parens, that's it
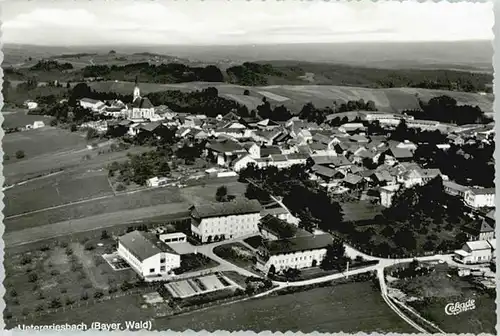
(21, 118)
(200, 194)
(439, 290)
(352, 307)
(59, 275)
(140, 200)
(41, 141)
(55, 190)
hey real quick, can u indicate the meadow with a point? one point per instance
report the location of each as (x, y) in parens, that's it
(352, 307)
(295, 96)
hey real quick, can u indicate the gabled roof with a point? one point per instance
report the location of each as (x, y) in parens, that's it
(90, 101)
(478, 245)
(144, 245)
(325, 171)
(352, 179)
(238, 207)
(482, 191)
(400, 153)
(297, 244)
(223, 146)
(278, 157)
(150, 127)
(269, 150)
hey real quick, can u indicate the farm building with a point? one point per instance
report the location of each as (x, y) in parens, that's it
(172, 238)
(147, 255)
(219, 221)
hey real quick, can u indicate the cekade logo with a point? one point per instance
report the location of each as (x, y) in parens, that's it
(457, 307)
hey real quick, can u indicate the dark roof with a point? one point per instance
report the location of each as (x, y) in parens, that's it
(90, 100)
(297, 244)
(278, 157)
(144, 245)
(400, 153)
(142, 103)
(325, 171)
(269, 150)
(278, 227)
(352, 179)
(238, 207)
(151, 126)
(223, 146)
(482, 191)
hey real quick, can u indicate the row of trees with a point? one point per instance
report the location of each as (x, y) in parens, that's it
(162, 73)
(445, 109)
(318, 115)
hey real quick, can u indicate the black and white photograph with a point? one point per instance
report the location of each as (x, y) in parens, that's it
(283, 166)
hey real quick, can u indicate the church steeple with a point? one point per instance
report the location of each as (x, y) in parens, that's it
(137, 92)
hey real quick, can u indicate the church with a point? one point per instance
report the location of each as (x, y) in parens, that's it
(141, 108)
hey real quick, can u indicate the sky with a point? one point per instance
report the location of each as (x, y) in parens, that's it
(99, 22)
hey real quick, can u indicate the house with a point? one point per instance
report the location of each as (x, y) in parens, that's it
(353, 182)
(148, 255)
(298, 252)
(156, 181)
(480, 197)
(31, 105)
(100, 126)
(225, 151)
(38, 124)
(399, 154)
(479, 231)
(410, 178)
(454, 189)
(476, 252)
(94, 105)
(352, 127)
(219, 221)
(327, 174)
(281, 213)
(430, 174)
(304, 136)
(387, 193)
(407, 145)
(242, 162)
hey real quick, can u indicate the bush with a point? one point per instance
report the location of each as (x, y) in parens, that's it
(54, 272)
(20, 154)
(45, 248)
(13, 293)
(84, 296)
(104, 235)
(63, 290)
(120, 187)
(39, 308)
(63, 244)
(53, 122)
(26, 259)
(69, 301)
(69, 251)
(89, 247)
(55, 303)
(73, 128)
(112, 289)
(98, 294)
(40, 296)
(32, 277)
(7, 315)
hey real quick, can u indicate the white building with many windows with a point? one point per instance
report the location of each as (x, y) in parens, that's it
(225, 220)
(298, 252)
(147, 255)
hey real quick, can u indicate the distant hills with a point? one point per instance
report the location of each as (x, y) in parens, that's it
(462, 55)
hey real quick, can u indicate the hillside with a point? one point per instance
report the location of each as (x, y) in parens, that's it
(295, 96)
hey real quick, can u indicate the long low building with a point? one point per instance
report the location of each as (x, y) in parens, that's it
(298, 252)
(225, 220)
(148, 255)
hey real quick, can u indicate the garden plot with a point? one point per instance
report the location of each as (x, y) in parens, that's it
(200, 285)
(116, 262)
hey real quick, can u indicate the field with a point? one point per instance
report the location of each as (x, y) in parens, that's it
(41, 141)
(149, 202)
(439, 289)
(21, 118)
(353, 307)
(206, 193)
(295, 96)
(56, 190)
(60, 275)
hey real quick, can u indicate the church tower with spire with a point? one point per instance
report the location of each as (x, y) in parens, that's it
(137, 92)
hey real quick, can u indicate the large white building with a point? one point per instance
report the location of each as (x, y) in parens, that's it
(94, 105)
(298, 252)
(478, 198)
(225, 220)
(147, 255)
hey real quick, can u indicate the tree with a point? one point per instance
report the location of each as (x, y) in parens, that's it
(334, 257)
(221, 194)
(73, 128)
(92, 133)
(246, 93)
(20, 154)
(272, 270)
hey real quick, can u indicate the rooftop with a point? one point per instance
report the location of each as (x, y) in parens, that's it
(297, 244)
(144, 245)
(237, 207)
